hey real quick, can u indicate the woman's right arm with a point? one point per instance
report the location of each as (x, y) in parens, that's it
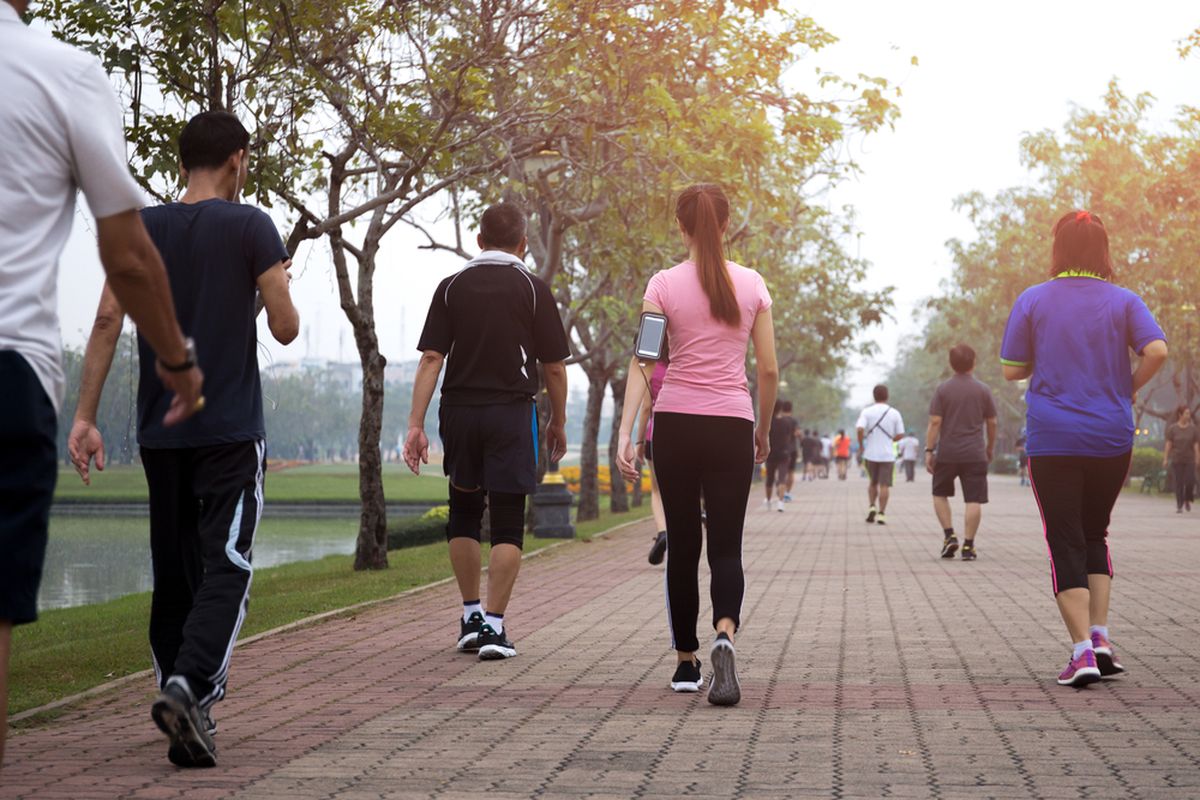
(763, 336)
(1154, 355)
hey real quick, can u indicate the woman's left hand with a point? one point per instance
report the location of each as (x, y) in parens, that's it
(762, 443)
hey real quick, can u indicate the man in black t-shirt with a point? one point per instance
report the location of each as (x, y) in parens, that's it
(783, 444)
(493, 323)
(205, 475)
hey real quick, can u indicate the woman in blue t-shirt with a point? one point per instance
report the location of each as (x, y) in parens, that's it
(1071, 337)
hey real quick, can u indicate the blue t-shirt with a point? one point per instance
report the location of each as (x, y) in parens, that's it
(1076, 333)
(214, 252)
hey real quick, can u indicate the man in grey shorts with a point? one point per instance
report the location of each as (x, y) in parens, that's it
(879, 427)
(961, 408)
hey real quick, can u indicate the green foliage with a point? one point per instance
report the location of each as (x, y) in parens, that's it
(1147, 461)
(428, 528)
(1144, 184)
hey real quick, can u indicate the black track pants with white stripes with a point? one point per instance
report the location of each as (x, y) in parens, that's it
(205, 504)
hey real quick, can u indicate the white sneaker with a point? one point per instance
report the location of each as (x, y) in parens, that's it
(779, 505)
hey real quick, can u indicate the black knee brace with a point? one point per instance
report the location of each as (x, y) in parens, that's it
(466, 514)
(507, 518)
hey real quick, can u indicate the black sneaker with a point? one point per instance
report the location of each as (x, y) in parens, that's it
(190, 730)
(725, 689)
(494, 646)
(968, 552)
(687, 677)
(950, 547)
(871, 514)
(468, 637)
(659, 548)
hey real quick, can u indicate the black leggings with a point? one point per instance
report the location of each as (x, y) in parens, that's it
(711, 456)
(1184, 474)
(1076, 495)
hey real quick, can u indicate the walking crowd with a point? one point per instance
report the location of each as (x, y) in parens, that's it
(194, 274)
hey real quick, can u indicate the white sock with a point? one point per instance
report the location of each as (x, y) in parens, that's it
(1100, 629)
(471, 608)
(1081, 648)
(497, 622)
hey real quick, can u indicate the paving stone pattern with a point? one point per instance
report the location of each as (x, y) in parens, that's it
(870, 668)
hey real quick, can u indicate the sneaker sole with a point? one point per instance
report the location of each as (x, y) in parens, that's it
(725, 689)
(188, 748)
(468, 643)
(686, 686)
(1108, 667)
(1082, 677)
(494, 652)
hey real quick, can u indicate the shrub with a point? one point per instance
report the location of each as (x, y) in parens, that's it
(572, 476)
(428, 528)
(1147, 461)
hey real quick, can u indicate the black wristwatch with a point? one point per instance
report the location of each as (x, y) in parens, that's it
(189, 358)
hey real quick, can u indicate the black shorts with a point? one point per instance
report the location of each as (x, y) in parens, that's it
(972, 475)
(777, 468)
(791, 460)
(880, 472)
(1023, 460)
(492, 447)
(28, 472)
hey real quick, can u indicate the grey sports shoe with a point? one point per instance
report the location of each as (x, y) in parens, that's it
(189, 728)
(725, 689)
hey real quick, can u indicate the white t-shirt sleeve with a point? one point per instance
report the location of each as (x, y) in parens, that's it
(97, 141)
(862, 419)
(898, 427)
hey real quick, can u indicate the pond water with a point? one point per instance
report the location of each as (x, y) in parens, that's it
(93, 559)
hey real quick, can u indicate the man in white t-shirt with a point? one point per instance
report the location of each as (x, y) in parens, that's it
(879, 427)
(60, 124)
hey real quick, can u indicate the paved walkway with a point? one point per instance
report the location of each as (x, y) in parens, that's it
(870, 668)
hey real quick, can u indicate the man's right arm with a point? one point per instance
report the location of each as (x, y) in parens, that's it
(416, 444)
(85, 442)
(139, 284)
(932, 434)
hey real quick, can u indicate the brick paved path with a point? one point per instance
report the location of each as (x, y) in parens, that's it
(870, 668)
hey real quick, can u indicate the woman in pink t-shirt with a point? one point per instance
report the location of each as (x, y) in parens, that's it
(705, 439)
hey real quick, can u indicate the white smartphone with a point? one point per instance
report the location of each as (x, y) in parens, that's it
(652, 336)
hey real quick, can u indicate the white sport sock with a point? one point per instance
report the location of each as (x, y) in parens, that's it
(471, 608)
(1081, 648)
(497, 622)
(1100, 629)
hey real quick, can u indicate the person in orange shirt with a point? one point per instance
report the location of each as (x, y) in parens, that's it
(841, 453)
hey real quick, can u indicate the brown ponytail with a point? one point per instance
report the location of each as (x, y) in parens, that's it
(703, 211)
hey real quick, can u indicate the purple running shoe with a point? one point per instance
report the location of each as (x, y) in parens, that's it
(1080, 671)
(1106, 657)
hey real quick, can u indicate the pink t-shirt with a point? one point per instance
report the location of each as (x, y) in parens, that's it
(707, 372)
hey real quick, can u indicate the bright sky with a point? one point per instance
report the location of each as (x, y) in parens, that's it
(988, 74)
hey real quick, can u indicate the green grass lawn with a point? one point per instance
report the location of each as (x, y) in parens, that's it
(319, 483)
(73, 649)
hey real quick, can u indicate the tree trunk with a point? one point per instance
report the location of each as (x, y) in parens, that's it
(370, 552)
(618, 498)
(589, 456)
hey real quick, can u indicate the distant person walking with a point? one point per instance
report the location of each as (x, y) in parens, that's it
(1071, 337)
(961, 410)
(645, 452)
(910, 449)
(705, 438)
(60, 124)
(879, 427)
(841, 452)
(1022, 461)
(810, 452)
(205, 476)
(1181, 454)
(492, 322)
(783, 445)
